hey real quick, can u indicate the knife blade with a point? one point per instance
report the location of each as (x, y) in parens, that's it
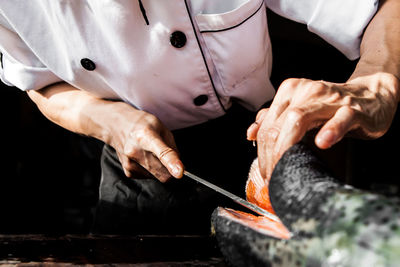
(235, 198)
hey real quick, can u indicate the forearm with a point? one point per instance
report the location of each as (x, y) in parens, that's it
(139, 138)
(80, 112)
(380, 46)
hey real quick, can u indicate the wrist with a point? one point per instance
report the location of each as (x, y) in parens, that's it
(114, 122)
(377, 80)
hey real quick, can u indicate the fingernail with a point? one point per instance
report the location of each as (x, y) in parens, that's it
(250, 130)
(252, 126)
(326, 139)
(176, 170)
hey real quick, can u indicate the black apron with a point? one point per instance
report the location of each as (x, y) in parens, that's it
(216, 150)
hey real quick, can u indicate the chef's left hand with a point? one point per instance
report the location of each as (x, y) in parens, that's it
(364, 105)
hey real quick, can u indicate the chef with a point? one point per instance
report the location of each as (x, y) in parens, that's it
(134, 74)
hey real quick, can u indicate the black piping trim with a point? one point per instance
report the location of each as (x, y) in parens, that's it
(237, 25)
(202, 54)
(1, 60)
(143, 12)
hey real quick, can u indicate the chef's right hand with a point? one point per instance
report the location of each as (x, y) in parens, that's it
(145, 147)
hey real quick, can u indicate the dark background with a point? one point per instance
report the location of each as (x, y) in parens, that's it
(49, 176)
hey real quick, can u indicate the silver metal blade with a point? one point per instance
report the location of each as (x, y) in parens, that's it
(235, 198)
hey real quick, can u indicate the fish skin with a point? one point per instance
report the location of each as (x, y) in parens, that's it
(332, 223)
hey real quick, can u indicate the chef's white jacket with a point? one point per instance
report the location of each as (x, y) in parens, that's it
(181, 60)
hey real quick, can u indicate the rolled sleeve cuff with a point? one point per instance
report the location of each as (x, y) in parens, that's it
(14, 73)
(339, 22)
(342, 23)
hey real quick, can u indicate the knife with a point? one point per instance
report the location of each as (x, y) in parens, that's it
(235, 198)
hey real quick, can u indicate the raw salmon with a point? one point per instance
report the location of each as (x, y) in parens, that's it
(257, 193)
(332, 224)
(261, 224)
(257, 188)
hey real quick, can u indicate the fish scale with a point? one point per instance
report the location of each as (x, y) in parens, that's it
(332, 224)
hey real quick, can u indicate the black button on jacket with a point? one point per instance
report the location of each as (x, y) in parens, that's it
(178, 39)
(88, 64)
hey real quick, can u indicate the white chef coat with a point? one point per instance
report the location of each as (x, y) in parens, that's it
(222, 51)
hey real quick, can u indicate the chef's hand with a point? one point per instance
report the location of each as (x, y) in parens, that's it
(365, 105)
(145, 147)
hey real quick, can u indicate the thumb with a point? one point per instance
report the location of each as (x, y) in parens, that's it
(168, 156)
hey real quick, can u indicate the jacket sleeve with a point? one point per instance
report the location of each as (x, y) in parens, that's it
(19, 65)
(339, 22)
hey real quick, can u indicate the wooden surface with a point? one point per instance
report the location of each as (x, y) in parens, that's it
(27, 250)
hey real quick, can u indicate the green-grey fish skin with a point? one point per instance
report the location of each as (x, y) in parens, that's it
(332, 223)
